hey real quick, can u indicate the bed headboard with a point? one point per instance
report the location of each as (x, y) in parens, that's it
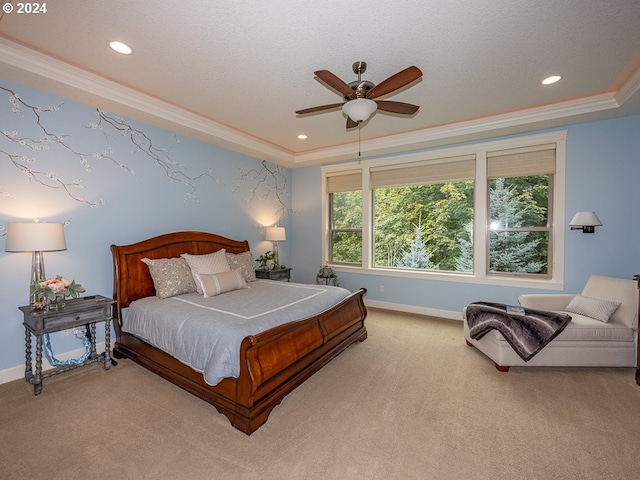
(131, 278)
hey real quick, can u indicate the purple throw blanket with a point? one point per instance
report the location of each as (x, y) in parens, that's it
(527, 334)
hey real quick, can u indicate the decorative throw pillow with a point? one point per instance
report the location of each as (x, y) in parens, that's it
(595, 308)
(171, 276)
(217, 283)
(243, 261)
(215, 262)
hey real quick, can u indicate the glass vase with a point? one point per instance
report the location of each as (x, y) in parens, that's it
(57, 303)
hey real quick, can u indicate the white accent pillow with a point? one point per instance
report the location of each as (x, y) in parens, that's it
(209, 263)
(218, 283)
(595, 308)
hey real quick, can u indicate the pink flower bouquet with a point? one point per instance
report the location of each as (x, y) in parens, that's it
(58, 287)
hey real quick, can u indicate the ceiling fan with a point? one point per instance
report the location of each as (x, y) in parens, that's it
(360, 96)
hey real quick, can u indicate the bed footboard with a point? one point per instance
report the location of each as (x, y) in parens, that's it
(275, 362)
(272, 365)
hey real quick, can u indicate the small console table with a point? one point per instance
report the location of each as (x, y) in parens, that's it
(83, 311)
(275, 274)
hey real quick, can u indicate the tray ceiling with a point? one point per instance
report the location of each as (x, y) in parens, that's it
(234, 73)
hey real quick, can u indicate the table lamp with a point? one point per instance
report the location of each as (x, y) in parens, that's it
(37, 238)
(275, 234)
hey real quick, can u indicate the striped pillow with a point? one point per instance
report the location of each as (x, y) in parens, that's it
(217, 283)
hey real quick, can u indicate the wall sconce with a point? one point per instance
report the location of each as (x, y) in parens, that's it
(36, 238)
(585, 221)
(275, 234)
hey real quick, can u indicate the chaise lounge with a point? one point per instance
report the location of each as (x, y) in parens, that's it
(585, 342)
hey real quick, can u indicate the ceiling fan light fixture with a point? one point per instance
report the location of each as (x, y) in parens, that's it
(359, 109)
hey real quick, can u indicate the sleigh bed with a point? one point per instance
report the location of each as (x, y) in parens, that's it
(272, 363)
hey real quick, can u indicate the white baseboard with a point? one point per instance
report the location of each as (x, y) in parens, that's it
(398, 307)
(14, 373)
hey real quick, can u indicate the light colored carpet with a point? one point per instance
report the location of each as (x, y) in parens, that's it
(411, 402)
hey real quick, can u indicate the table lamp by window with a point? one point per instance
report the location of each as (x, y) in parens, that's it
(275, 234)
(35, 237)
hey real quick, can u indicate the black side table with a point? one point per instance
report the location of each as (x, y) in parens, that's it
(84, 311)
(275, 274)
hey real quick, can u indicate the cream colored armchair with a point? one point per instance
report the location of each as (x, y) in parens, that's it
(585, 342)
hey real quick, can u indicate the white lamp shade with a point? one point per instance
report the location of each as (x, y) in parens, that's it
(35, 237)
(359, 109)
(585, 219)
(275, 234)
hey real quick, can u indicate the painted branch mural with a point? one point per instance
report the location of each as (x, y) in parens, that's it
(22, 150)
(144, 145)
(268, 182)
(31, 142)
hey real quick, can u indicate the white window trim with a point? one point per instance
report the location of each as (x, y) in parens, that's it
(479, 276)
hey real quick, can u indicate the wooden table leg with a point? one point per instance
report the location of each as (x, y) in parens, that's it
(28, 366)
(37, 379)
(107, 344)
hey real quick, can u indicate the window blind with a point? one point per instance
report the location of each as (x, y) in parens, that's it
(456, 169)
(520, 162)
(344, 182)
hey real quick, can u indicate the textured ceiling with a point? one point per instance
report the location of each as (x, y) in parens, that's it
(234, 73)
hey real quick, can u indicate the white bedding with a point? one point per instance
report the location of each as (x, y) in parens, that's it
(206, 333)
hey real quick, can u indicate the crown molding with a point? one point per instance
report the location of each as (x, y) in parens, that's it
(630, 87)
(461, 131)
(107, 94)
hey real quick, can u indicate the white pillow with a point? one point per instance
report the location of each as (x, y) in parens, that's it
(217, 283)
(595, 308)
(209, 263)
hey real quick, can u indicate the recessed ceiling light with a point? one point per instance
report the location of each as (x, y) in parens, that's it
(552, 79)
(302, 136)
(121, 48)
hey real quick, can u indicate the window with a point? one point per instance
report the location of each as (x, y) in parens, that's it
(491, 212)
(422, 214)
(520, 195)
(345, 218)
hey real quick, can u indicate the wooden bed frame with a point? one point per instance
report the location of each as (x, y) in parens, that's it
(272, 363)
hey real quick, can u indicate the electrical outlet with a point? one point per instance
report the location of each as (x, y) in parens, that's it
(65, 333)
(381, 288)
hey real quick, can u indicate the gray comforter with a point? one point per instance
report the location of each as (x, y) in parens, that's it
(206, 333)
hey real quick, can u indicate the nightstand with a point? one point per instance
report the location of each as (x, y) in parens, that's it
(275, 274)
(84, 311)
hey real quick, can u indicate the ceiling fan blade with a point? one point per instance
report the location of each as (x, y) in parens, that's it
(394, 82)
(397, 107)
(304, 111)
(351, 123)
(334, 82)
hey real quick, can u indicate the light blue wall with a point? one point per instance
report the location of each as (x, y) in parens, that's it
(603, 165)
(602, 173)
(135, 206)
